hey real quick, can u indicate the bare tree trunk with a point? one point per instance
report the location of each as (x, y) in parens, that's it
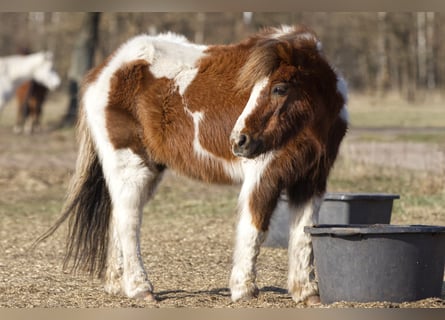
(382, 55)
(430, 58)
(412, 70)
(200, 25)
(421, 49)
(408, 57)
(82, 60)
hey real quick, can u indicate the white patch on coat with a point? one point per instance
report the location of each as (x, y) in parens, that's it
(301, 279)
(169, 55)
(175, 58)
(232, 168)
(285, 30)
(248, 237)
(282, 31)
(253, 171)
(197, 147)
(249, 108)
(130, 183)
(307, 36)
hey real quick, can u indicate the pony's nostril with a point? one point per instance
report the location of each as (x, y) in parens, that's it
(243, 140)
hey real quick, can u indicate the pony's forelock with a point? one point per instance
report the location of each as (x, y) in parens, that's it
(273, 45)
(260, 64)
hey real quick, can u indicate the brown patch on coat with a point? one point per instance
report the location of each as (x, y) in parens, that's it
(212, 92)
(169, 129)
(126, 83)
(148, 115)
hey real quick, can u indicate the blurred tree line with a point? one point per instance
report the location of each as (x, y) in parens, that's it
(377, 52)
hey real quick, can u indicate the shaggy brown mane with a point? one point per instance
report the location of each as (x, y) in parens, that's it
(272, 46)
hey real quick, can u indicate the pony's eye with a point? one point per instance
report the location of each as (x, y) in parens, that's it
(280, 89)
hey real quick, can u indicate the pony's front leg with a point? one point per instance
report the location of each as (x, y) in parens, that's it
(255, 211)
(247, 247)
(302, 281)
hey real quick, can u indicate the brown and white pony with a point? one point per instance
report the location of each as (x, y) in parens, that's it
(17, 69)
(269, 112)
(30, 98)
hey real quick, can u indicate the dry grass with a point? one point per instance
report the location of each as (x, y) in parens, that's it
(392, 111)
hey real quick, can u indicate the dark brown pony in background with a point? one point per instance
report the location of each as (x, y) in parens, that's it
(30, 97)
(268, 112)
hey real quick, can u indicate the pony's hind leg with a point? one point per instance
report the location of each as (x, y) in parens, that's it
(302, 282)
(114, 267)
(21, 117)
(131, 183)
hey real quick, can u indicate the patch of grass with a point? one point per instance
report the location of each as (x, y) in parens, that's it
(398, 117)
(435, 137)
(178, 196)
(46, 203)
(392, 111)
(421, 137)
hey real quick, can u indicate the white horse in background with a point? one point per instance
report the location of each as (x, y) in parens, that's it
(16, 69)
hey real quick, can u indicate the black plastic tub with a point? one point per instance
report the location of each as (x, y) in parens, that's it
(336, 208)
(366, 263)
(356, 208)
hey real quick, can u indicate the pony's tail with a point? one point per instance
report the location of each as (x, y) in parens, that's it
(88, 209)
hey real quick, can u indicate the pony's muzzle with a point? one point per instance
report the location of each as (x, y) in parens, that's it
(244, 146)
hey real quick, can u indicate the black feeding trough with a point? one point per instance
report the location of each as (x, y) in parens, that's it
(356, 208)
(336, 208)
(365, 263)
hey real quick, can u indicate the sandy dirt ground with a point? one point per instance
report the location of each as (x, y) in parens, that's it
(187, 238)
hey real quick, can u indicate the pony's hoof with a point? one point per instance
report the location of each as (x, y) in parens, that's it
(245, 295)
(313, 301)
(150, 297)
(146, 296)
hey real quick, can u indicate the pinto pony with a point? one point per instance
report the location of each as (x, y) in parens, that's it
(269, 112)
(17, 69)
